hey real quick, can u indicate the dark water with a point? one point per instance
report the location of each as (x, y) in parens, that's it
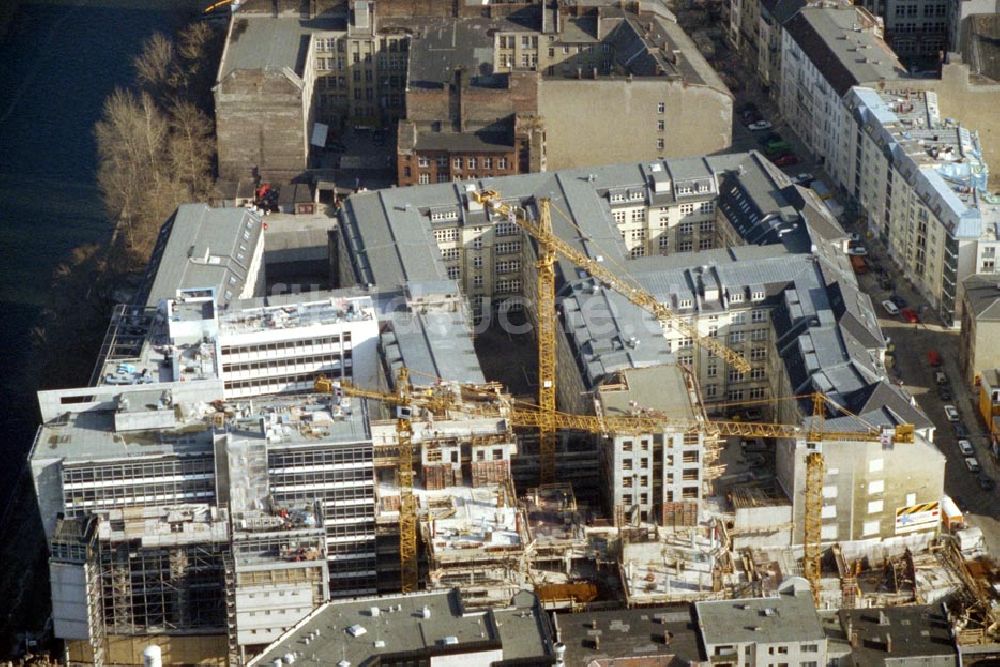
(58, 62)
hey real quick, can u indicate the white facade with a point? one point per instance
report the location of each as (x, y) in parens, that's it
(278, 349)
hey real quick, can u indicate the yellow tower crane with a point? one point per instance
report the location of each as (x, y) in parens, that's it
(403, 398)
(531, 416)
(545, 313)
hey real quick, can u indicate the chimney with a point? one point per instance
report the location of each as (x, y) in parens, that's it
(888, 643)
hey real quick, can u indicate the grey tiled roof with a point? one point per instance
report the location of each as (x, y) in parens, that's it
(827, 333)
(820, 32)
(202, 247)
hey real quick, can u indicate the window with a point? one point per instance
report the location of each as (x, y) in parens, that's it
(707, 207)
(660, 125)
(876, 465)
(487, 163)
(758, 316)
(737, 376)
(829, 492)
(876, 506)
(871, 527)
(809, 648)
(737, 336)
(456, 163)
(501, 163)
(706, 244)
(736, 297)
(661, 107)
(638, 234)
(477, 281)
(423, 178)
(450, 255)
(711, 390)
(687, 209)
(639, 215)
(445, 235)
(619, 216)
(712, 370)
(876, 486)
(736, 395)
(757, 393)
(758, 353)
(757, 374)
(664, 242)
(707, 226)
(660, 144)
(911, 499)
(477, 262)
(637, 252)
(685, 227)
(757, 295)
(471, 162)
(684, 246)
(758, 335)
(454, 273)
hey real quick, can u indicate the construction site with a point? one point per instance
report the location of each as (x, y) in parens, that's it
(209, 518)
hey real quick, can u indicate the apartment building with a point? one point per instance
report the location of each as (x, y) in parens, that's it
(772, 280)
(764, 631)
(657, 477)
(466, 93)
(917, 31)
(980, 319)
(825, 51)
(923, 186)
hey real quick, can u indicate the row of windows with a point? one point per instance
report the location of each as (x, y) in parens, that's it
(288, 347)
(290, 364)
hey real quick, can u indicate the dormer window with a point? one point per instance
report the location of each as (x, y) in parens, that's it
(616, 196)
(684, 303)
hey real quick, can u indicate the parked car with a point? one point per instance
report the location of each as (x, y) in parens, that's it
(759, 125)
(951, 412)
(986, 483)
(786, 160)
(890, 307)
(898, 300)
(934, 358)
(910, 315)
(940, 377)
(965, 447)
(856, 250)
(944, 393)
(972, 464)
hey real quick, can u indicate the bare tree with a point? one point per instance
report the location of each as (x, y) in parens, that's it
(156, 67)
(133, 172)
(191, 148)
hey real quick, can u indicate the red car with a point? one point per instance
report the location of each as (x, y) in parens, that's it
(910, 315)
(786, 160)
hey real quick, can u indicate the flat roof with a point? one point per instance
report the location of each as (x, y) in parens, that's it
(630, 633)
(661, 388)
(425, 623)
(268, 43)
(308, 419)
